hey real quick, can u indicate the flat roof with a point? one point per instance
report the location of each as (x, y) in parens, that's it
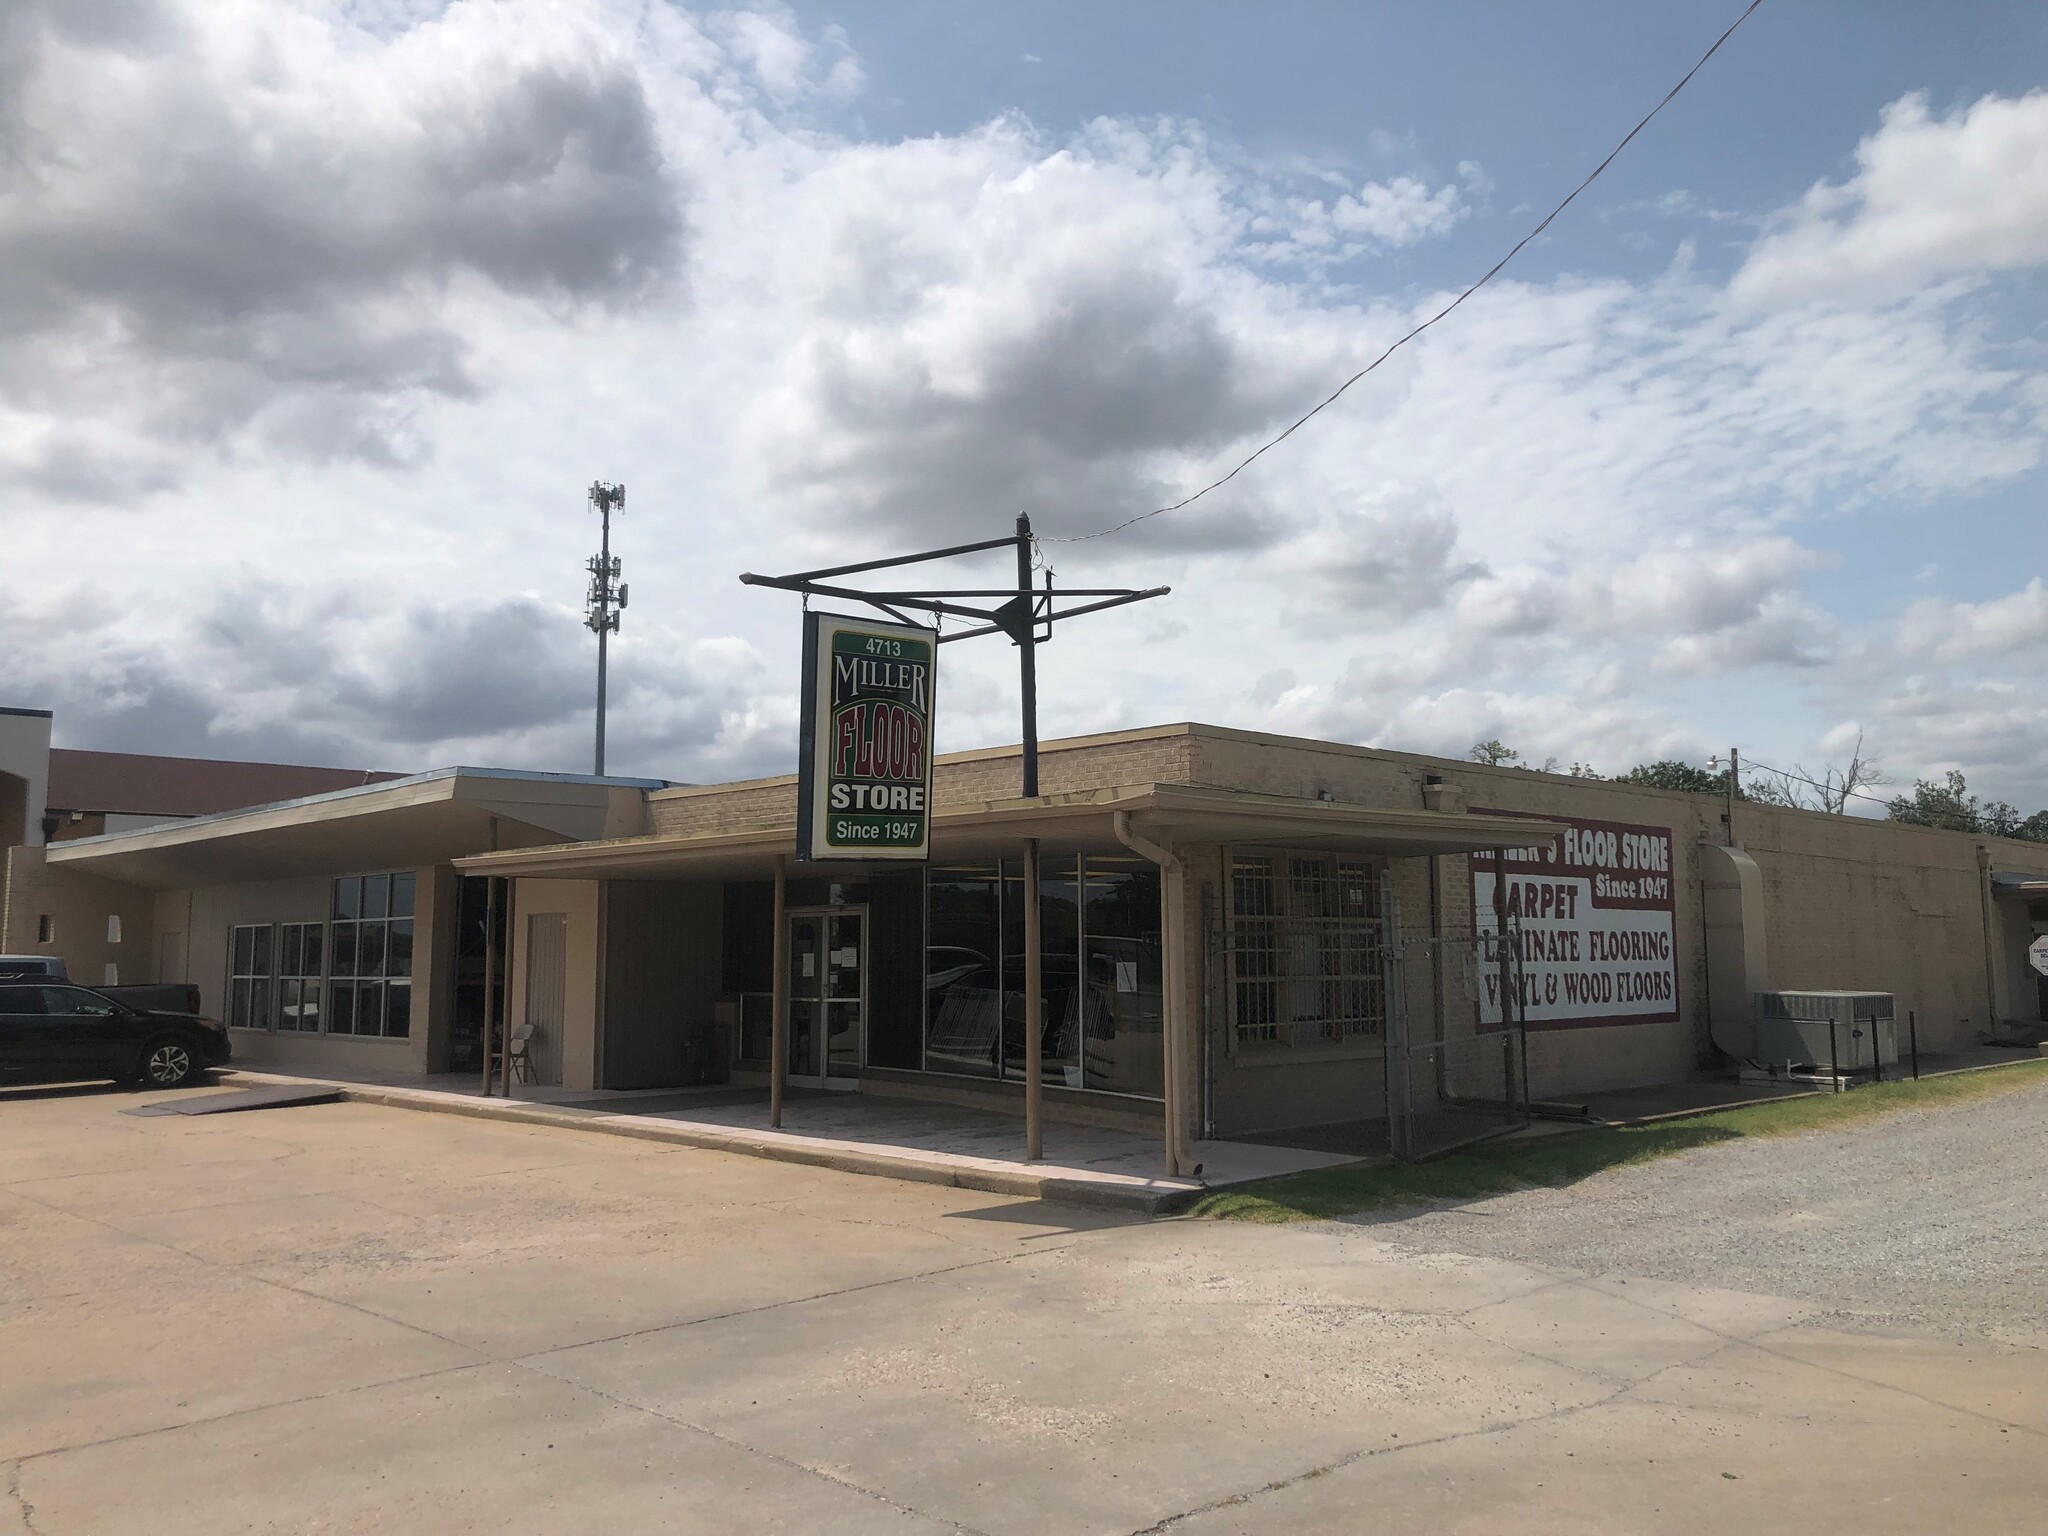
(143, 784)
(423, 819)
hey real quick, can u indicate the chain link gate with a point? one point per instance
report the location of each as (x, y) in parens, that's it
(1457, 1062)
(1304, 956)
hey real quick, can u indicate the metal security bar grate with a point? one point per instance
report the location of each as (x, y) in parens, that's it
(1305, 944)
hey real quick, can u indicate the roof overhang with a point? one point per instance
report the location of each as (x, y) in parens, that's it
(1171, 814)
(431, 818)
(2020, 887)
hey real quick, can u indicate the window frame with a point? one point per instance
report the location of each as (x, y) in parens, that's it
(1004, 875)
(249, 996)
(294, 980)
(1319, 988)
(356, 931)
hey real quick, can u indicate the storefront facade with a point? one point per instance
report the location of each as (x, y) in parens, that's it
(1240, 934)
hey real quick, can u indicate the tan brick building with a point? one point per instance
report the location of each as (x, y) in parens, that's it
(1241, 934)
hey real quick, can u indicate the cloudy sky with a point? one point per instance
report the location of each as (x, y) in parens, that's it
(316, 320)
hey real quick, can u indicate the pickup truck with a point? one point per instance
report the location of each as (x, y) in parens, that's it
(165, 997)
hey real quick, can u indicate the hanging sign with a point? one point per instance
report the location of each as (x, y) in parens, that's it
(1595, 915)
(864, 782)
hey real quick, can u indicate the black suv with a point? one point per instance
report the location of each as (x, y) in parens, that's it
(53, 1031)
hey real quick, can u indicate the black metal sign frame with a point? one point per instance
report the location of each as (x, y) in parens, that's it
(1026, 615)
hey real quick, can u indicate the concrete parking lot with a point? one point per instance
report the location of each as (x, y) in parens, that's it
(351, 1318)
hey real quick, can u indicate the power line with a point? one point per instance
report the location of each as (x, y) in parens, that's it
(1331, 399)
(1830, 789)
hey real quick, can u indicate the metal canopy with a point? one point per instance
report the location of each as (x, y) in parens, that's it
(1062, 824)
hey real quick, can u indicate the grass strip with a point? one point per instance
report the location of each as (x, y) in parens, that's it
(1503, 1166)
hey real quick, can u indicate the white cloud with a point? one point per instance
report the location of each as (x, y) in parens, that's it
(1931, 198)
(231, 223)
(998, 321)
(1398, 212)
(2001, 627)
(1575, 516)
(1377, 217)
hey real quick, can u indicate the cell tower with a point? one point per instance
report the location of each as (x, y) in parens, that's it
(607, 594)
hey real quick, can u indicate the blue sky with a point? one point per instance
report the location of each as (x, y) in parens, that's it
(319, 317)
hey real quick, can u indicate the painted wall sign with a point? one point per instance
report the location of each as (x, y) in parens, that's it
(1597, 918)
(864, 787)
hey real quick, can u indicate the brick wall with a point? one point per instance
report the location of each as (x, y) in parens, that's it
(79, 907)
(958, 780)
(1849, 902)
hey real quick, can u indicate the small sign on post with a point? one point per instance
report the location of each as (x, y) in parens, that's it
(2037, 954)
(864, 780)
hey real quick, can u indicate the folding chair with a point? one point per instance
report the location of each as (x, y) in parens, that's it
(522, 1053)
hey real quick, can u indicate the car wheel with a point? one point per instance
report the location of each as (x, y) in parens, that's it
(168, 1062)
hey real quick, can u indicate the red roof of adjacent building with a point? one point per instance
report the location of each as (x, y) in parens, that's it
(131, 783)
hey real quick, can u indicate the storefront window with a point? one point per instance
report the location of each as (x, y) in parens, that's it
(299, 976)
(250, 971)
(963, 971)
(1122, 1018)
(371, 965)
(1059, 918)
(1099, 1024)
(480, 943)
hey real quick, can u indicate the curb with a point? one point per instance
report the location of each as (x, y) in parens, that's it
(1096, 1194)
(1662, 1116)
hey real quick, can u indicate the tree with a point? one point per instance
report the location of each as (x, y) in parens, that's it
(1950, 806)
(1494, 753)
(1671, 773)
(1830, 791)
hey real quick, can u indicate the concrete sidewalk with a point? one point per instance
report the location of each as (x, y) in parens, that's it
(860, 1133)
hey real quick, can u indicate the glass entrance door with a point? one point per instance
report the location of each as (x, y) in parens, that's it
(828, 968)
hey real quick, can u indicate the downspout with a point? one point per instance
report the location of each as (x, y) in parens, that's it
(1990, 949)
(1180, 1158)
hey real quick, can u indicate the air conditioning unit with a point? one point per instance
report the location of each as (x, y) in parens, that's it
(1849, 1031)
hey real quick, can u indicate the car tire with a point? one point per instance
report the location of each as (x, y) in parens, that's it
(168, 1061)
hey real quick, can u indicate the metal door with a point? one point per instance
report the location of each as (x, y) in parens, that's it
(827, 996)
(547, 967)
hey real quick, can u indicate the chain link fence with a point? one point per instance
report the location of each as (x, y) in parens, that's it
(1457, 1062)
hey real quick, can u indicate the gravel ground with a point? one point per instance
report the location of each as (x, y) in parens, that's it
(1928, 1219)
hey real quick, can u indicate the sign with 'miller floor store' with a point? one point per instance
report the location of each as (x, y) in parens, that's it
(864, 784)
